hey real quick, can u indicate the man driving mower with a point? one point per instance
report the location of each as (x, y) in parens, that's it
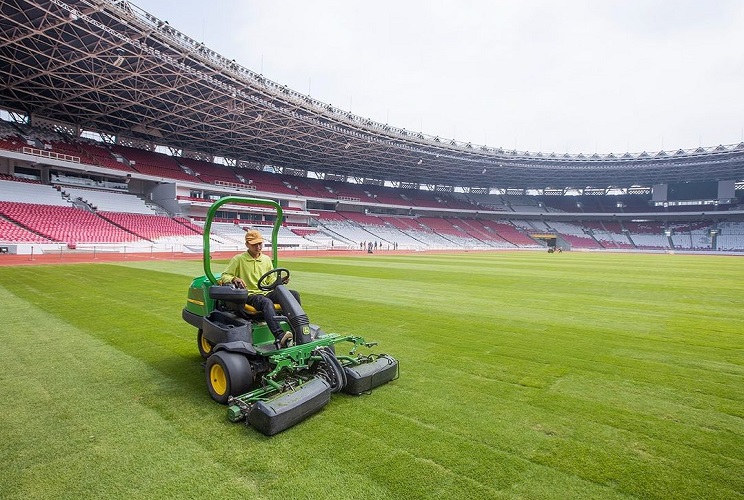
(244, 270)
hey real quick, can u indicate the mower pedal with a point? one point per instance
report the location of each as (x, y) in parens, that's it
(290, 408)
(366, 376)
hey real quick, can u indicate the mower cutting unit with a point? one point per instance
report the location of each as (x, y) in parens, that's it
(269, 388)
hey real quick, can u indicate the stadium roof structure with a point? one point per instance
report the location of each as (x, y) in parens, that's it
(108, 66)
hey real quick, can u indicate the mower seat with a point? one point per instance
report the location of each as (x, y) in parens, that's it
(253, 311)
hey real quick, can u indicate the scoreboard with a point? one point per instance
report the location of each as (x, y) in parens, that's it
(693, 191)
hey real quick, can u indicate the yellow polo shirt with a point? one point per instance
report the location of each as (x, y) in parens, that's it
(249, 270)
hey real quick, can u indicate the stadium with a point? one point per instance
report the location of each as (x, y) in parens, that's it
(118, 132)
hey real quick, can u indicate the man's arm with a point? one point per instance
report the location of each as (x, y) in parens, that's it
(228, 276)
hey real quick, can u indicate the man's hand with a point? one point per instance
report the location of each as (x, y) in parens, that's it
(239, 283)
(285, 280)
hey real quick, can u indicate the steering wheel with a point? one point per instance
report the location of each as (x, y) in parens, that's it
(282, 274)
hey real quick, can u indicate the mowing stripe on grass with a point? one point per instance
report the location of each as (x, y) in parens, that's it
(522, 375)
(74, 425)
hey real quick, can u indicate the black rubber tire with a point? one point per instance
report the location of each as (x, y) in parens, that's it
(227, 374)
(205, 346)
(336, 375)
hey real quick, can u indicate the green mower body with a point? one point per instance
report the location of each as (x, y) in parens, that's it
(267, 387)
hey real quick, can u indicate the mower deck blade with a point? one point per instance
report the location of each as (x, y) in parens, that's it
(290, 408)
(366, 376)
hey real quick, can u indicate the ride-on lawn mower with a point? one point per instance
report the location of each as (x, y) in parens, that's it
(268, 387)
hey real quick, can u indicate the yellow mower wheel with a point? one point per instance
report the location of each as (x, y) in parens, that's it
(205, 346)
(218, 379)
(227, 374)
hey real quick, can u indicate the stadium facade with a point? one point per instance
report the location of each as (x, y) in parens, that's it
(113, 72)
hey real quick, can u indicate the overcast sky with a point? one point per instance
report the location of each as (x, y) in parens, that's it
(576, 76)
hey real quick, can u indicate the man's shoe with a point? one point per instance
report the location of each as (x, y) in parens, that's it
(285, 340)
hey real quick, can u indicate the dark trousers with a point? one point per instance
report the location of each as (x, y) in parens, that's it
(265, 304)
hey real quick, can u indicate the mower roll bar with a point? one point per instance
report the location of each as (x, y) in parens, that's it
(241, 201)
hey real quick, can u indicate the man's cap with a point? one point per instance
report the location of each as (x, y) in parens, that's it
(253, 236)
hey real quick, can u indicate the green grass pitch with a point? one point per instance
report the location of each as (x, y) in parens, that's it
(523, 375)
